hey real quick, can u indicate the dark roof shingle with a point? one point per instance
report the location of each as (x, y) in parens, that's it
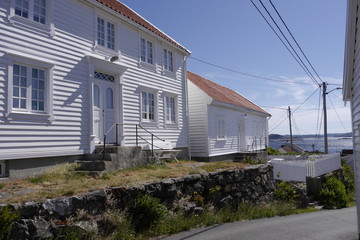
(129, 13)
(223, 94)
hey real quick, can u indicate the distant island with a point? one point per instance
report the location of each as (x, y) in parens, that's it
(339, 135)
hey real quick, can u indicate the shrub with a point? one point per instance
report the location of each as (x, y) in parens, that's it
(146, 212)
(333, 194)
(349, 178)
(272, 151)
(284, 191)
(7, 220)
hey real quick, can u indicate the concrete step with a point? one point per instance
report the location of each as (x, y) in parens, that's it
(96, 165)
(109, 148)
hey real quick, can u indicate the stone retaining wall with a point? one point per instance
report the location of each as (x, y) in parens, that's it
(254, 184)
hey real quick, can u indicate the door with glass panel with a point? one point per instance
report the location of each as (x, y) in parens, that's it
(104, 109)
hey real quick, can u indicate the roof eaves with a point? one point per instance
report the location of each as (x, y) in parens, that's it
(138, 19)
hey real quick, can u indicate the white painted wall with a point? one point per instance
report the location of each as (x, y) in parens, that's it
(204, 112)
(254, 131)
(64, 47)
(198, 122)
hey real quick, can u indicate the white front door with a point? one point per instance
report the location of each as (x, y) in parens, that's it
(104, 112)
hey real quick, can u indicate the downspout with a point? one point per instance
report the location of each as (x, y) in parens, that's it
(187, 105)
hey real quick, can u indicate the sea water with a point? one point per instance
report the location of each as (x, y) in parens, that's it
(335, 144)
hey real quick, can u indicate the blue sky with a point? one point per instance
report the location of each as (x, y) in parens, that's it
(233, 35)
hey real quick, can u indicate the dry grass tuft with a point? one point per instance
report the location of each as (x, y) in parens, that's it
(63, 180)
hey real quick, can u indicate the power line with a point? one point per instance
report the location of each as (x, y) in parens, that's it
(245, 74)
(295, 40)
(302, 64)
(295, 110)
(342, 124)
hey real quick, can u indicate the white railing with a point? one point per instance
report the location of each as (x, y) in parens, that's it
(289, 168)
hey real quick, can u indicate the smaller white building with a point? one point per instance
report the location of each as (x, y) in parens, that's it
(223, 123)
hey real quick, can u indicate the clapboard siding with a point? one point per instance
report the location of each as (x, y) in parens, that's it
(254, 126)
(198, 103)
(245, 129)
(74, 38)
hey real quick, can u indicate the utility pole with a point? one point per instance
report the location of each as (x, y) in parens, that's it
(291, 139)
(326, 150)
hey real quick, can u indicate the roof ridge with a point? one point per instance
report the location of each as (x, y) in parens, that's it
(223, 94)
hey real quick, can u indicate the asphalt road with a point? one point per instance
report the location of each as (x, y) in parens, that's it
(323, 225)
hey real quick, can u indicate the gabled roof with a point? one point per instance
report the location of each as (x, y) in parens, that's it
(133, 16)
(223, 94)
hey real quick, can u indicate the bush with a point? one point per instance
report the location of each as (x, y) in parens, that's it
(284, 191)
(7, 220)
(333, 194)
(146, 212)
(349, 178)
(272, 151)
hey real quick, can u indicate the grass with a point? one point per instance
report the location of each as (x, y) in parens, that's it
(175, 222)
(63, 180)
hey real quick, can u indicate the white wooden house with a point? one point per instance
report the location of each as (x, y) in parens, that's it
(71, 69)
(351, 86)
(223, 123)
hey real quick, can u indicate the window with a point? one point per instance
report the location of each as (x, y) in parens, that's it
(220, 128)
(96, 96)
(168, 61)
(109, 98)
(170, 109)
(148, 106)
(105, 33)
(146, 52)
(35, 10)
(29, 87)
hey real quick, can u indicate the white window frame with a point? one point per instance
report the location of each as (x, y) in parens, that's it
(148, 90)
(168, 58)
(28, 113)
(220, 128)
(2, 169)
(176, 109)
(107, 36)
(29, 22)
(145, 54)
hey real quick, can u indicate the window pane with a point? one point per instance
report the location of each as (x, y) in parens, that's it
(171, 68)
(96, 96)
(41, 95)
(23, 103)
(15, 91)
(109, 98)
(165, 59)
(23, 92)
(38, 87)
(143, 50)
(16, 102)
(39, 11)
(23, 82)
(110, 35)
(22, 8)
(41, 106)
(101, 31)
(149, 52)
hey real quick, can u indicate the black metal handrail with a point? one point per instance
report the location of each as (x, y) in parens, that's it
(152, 138)
(105, 135)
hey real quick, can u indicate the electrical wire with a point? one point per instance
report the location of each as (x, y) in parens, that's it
(302, 64)
(297, 44)
(245, 74)
(342, 124)
(295, 110)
